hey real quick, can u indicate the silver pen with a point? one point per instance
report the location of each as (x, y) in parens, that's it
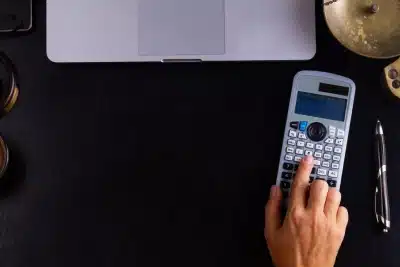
(382, 207)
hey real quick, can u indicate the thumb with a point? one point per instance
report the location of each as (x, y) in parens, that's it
(273, 211)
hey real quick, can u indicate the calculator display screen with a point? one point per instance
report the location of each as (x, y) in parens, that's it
(321, 106)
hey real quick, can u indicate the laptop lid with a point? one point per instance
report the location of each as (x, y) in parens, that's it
(162, 30)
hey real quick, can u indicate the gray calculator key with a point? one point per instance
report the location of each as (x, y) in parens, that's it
(328, 148)
(331, 183)
(332, 131)
(300, 143)
(288, 157)
(292, 133)
(302, 136)
(336, 158)
(297, 159)
(319, 147)
(326, 164)
(338, 150)
(329, 141)
(321, 171)
(310, 145)
(335, 166)
(291, 142)
(317, 154)
(299, 151)
(340, 133)
(327, 156)
(290, 149)
(339, 142)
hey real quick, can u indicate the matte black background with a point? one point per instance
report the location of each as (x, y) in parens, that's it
(170, 165)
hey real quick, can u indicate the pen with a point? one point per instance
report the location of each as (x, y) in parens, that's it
(382, 208)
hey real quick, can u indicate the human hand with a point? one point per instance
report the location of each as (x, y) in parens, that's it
(314, 226)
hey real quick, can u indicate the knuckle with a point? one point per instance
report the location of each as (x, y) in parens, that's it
(320, 184)
(297, 215)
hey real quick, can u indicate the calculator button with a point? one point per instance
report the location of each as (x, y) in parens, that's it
(321, 172)
(331, 183)
(290, 149)
(338, 150)
(317, 154)
(327, 156)
(292, 133)
(335, 166)
(297, 159)
(291, 142)
(310, 145)
(299, 151)
(303, 126)
(288, 166)
(329, 141)
(318, 147)
(288, 157)
(333, 174)
(326, 164)
(313, 171)
(317, 162)
(340, 133)
(336, 158)
(316, 131)
(308, 153)
(285, 185)
(332, 131)
(302, 136)
(328, 148)
(300, 143)
(339, 142)
(286, 175)
(294, 124)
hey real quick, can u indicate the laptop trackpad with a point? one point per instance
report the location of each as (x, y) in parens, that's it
(181, 27)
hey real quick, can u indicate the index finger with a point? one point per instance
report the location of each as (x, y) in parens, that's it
(301, 183)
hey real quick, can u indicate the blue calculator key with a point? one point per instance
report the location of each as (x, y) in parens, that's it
(303, 126)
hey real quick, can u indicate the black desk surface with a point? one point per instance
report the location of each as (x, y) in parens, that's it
(170, 165)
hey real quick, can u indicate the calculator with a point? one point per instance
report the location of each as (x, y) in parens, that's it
(317, 124)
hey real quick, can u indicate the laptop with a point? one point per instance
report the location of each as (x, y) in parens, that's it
(180, 30)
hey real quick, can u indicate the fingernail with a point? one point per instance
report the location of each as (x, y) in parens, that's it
(273, 192)
(308, 159)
